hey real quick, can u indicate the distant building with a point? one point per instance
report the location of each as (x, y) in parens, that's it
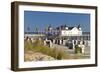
(67, 31)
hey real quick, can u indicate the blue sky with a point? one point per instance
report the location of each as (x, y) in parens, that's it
(40, 20)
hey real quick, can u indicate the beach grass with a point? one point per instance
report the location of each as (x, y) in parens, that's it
(38, 46)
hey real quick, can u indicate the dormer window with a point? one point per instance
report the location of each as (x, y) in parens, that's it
(79, 28)
(66, 28)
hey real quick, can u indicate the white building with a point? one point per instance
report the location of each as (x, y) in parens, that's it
(69, 31)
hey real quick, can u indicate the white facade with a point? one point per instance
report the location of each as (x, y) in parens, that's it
(73, 32)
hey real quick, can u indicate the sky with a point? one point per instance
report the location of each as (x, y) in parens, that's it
(40, 20)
